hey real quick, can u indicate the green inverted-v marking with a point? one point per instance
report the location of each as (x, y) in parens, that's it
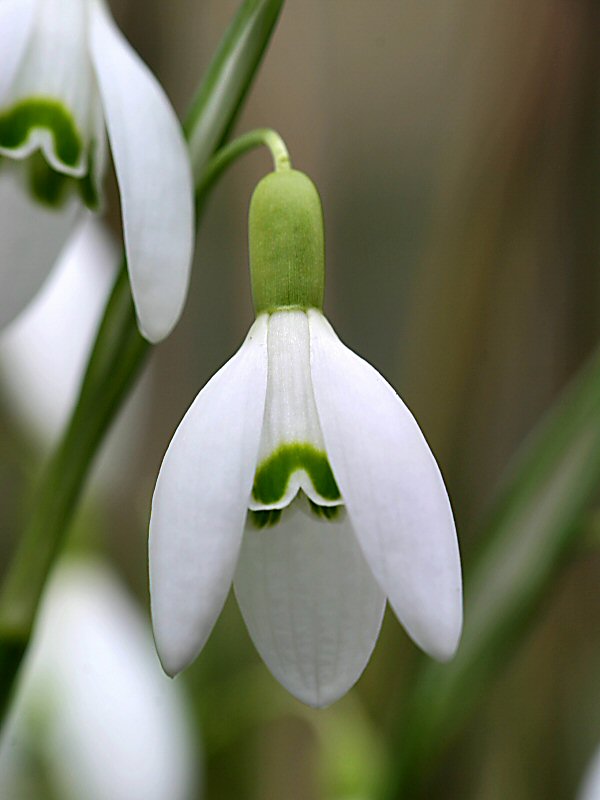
(17, 123)
(273, 475)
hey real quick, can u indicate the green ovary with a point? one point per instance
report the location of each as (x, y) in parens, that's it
(17, 123)
(273, 475)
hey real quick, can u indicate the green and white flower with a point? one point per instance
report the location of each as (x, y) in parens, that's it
(67, 78)
(300, 475)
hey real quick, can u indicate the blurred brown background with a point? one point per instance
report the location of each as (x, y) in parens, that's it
(455, 145)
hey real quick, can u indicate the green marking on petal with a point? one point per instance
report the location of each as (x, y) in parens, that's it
(273, 475)
(324, 512)
(18, 122)
(45, 184)
(51, 188)
(265, 519)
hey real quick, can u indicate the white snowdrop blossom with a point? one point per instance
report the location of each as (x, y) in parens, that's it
(67, 79)
(299, 474)
(94, 716)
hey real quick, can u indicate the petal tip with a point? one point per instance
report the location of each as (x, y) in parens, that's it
(174, 656)
(154, 330)
(317, 696)
(442, 643)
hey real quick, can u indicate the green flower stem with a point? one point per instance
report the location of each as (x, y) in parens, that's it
(229, 76)
(537, 522)
(119, 353)
(229, 153)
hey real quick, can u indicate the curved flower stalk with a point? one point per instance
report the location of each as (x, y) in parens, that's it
(299, 474)
(67, 78)
(94, 713)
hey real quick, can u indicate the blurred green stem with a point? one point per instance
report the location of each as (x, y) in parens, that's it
(229, 153)
(119, 351)
(535, 525)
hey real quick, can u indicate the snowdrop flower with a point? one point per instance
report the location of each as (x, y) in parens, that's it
(67, 78)
(299, 474)
(93, 708)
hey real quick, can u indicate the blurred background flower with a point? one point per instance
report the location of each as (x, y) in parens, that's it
(455, 146)
(95, 716)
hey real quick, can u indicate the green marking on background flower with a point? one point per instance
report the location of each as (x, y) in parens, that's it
(273, 475)
(52, 188)
(18, 122)
(265, 519)
(324, 512)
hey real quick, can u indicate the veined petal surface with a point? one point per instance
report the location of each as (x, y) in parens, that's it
(31, 238)
(310, 602)
(154, 175)
(200, 503)
(393, 490)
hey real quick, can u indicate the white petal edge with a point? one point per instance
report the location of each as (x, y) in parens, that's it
(16, 24)
(310, 602)
(31, 239)
(393, 490)
(200, 503)
(154, 175)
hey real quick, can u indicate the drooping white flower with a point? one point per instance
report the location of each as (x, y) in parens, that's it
(93, 711)
(67, 78)
(299, 474)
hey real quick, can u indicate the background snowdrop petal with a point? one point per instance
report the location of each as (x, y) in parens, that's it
(16, 20)
(115, 728)
(200, 502)
(154, 175)
(393, 490)
(44, 351)
(590, 789)
(310, 602)
(31, 238)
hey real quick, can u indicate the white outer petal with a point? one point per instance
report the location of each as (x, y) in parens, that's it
(393, 490)
(31, 238)
(114, 727)
(200, 503)
(16, 18)
(310, 602)
(154, 175)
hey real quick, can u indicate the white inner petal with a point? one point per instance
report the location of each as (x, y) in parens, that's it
(310, 602)
(291, 419)
(57, 67)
